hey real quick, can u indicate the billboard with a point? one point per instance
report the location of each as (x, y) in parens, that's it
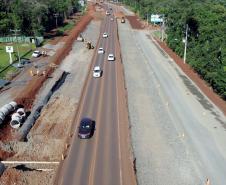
(157, 18)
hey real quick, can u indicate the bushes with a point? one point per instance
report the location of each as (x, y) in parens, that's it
(206, 51)
(33, 17)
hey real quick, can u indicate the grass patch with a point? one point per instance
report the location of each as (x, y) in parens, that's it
(157, 34)
(66, 27)
(22, 47)
(45, 41)
(8, 73)
(25, 50)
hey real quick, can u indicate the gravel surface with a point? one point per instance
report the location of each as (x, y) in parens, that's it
(177, 139)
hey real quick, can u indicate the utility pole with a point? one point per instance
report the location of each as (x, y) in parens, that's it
(162, 29)
(15, 33)
(185, 43)
(56, 15)
(147, 19)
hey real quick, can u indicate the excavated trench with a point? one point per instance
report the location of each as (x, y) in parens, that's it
(36, 112)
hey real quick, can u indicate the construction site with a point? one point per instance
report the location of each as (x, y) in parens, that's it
(33, 135)
(39, 109)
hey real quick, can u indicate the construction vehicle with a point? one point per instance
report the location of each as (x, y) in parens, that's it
(80, 38)
(89, 45)
(123, 20)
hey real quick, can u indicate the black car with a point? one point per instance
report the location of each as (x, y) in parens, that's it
(86, 128)
(23, 62)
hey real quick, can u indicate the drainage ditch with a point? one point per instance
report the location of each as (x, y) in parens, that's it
(36, 112)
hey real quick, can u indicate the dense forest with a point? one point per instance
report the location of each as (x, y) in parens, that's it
(206, 20)
(34, 17)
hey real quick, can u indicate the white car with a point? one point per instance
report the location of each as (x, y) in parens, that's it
(111, 57)
(112, 19)
(100, 51)
(107, 13)
(97, 72)
(36, 54)
(105, 35)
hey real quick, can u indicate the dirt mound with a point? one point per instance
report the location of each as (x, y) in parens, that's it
(30, 176)
(135, 22)
(55, 126)
(119, 14)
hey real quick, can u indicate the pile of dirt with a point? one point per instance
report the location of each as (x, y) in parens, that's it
(4, 154)
(50, 124)
(135, 22)
(30, 176)
(119, 14)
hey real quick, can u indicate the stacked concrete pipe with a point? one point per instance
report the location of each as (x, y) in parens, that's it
(6, 110)
(17, 118)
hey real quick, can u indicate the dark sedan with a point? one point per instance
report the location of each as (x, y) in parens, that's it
(86, 128)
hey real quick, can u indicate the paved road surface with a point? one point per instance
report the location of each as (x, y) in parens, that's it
(178, 134)
(98, 160)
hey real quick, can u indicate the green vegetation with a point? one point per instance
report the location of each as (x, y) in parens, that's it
(33, 17)
(8, 73)
(67, 26)
(25, 51)
(157, 34)
(24, 48)
(206, 51)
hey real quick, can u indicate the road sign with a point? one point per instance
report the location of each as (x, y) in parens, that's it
(156, 18)
(9, 49)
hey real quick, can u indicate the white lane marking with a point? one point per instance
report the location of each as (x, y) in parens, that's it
(44, 170)
(30, 162)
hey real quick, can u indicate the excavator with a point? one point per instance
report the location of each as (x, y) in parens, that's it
(88, 44)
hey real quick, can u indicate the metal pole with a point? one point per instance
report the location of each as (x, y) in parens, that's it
(15, 33)
(10, 58)
(162, 29)
(56, 15)
(18, 51)
(185, 45)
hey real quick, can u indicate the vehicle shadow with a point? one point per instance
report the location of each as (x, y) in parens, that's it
(94, 128)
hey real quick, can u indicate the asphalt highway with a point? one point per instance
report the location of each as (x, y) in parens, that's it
(98, 160)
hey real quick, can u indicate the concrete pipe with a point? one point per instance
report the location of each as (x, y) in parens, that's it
(16, 120)
(21, 112)
(13, 104)
(4, 110)
(2, 115)
(9, 107)
(1, 120)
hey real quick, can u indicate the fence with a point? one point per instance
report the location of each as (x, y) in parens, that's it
(21, 39)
